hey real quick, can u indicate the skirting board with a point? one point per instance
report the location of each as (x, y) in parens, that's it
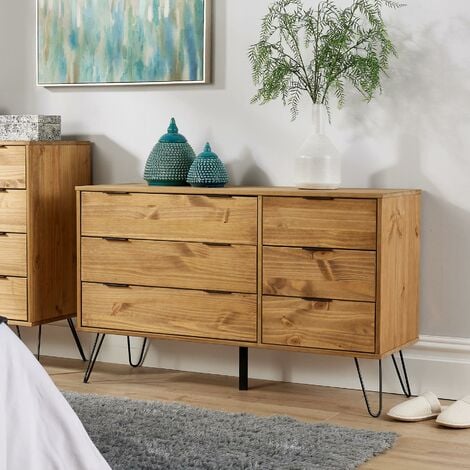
(439, 364)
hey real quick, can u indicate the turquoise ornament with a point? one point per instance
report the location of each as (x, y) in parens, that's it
(169, 161)
(207, 171)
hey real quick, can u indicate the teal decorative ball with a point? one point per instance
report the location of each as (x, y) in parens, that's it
(208, 171)
(169, 162)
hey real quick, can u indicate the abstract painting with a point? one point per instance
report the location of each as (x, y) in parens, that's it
(122, 42)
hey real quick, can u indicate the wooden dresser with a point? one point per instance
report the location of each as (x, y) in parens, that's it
(333, 272)
(37, 228)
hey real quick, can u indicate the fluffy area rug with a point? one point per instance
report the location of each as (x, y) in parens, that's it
(134, 435)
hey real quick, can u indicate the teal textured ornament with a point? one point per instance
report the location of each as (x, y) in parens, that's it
(169, 161)
(207, 171)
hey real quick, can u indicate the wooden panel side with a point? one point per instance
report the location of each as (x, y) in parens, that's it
(330, 223)
(13, 254)
(347, 326)
(398, 276)
(170, 311)
(170, 217)
(259, 271)
(13, 211)
(170, 264)
(336, 274)
(12, 167)
(53, 171)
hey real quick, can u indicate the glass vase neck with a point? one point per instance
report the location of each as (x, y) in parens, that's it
(319, 118)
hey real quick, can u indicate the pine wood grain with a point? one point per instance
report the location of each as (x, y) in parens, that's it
(170, 311)
(13, 298)
(13, 210)
(398, 272)
(53, 171)
(12, 166)
(170, 264)
(341, 325)
(332, 223)
(337, 274)
(170, 217)
(13, 254)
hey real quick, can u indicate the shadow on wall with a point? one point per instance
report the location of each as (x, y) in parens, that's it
(113, 163)
(424, 116)
(244, 171)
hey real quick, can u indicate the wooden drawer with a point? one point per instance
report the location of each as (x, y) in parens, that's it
(166, 311)
(338, 325)
(170, 217)
(13, 254)
(330, 223)
(13, 210)
(13, 298)
(170, 264)
(330, 274)
(12, 166)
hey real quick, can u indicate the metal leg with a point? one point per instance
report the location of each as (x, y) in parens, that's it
(38, 355)
(243, 368)
(142, 353)
(93, 356)
(76, 339)
(405, 384)
(18, 332)
(379, 411)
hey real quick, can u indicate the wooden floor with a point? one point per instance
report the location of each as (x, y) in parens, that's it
(420, 446)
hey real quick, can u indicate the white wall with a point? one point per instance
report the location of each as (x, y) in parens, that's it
(415, 135)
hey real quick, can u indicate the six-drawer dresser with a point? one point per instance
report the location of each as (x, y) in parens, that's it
(332, 272)
(38, 230)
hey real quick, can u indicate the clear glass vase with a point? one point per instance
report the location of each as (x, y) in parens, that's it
(318, 162)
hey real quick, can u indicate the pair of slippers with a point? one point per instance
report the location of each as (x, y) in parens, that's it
(427, 406)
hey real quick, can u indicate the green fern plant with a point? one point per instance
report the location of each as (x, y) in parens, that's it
(320, 50)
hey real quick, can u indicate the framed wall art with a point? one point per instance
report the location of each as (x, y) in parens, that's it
(123, 42)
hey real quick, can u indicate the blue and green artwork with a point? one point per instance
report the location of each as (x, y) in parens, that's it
(92, 42)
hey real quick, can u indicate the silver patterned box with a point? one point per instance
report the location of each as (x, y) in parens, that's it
(30, 127)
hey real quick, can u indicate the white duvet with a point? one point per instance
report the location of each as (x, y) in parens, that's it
(38, 428)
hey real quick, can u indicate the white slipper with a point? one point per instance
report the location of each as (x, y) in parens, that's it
(456, 415)
(426, 406)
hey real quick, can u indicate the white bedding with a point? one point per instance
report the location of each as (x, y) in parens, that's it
(38, 428)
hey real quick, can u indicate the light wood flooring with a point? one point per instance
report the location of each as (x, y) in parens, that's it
(420, 445)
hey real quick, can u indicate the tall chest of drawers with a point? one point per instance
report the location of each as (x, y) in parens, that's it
(333, 272)
(37, 228)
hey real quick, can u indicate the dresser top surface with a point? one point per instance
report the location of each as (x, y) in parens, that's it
(359, 193)
(12, 143)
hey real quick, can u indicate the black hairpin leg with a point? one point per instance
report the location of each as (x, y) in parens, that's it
(18, 332)
(379, 411)
(243, 368)
(142, 353)
(404, 382)
(94, 355)
(76, 339)
(38, 355)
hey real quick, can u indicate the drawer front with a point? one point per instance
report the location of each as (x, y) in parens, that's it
(12, 166)
(13, 298)
(170, 217)
(337, 325)
(330, 274)
(13, 254)
(13, 211)
(166, 311)
(332, 223)
(229, 268)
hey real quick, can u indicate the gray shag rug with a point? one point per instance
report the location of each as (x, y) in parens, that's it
(134, 435)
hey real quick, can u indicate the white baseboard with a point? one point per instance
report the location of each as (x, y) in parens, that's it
(439, 364)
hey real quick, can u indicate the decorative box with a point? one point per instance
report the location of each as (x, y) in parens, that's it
(30, 127)
(207, 171)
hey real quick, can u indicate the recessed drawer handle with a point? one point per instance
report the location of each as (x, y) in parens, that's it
(217, 292)
(3, 190)
(216, 244)
(3, 234)
(316, 299)
(311, 248)
(115, 239)
(319, 198)
(226, 196)
(2, 276)
(117, 193)
(3, 146)
(116, 286)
